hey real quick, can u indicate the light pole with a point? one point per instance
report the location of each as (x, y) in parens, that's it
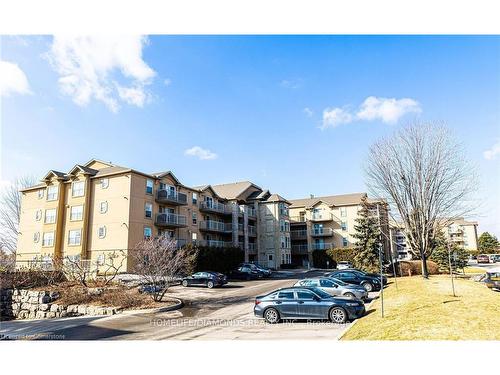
(381, 265)
(451, 270)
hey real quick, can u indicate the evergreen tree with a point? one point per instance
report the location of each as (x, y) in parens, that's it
(459, 256)
(367, 239)
(488, 243)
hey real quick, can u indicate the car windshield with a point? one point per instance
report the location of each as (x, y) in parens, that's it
(320, 293)
(337, 281)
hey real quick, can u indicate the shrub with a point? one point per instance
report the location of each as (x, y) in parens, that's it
(414, 267)
(342, 254)
(218, 259)
(321, 259)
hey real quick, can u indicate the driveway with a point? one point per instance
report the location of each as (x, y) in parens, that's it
(220, 313)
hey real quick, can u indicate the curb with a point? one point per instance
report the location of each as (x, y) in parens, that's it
(178, 304)
(357, 320)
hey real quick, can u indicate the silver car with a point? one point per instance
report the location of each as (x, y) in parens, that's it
(335, 287)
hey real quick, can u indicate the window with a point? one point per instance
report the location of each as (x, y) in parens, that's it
(195, 198)
(50, 216)
(282, 241)
(75, 237)
(103, 207)
(283, 209)
(303, 294)
(102, 231)
(195, 218)
(343, 225)
(147, 233)
(40, 193)
(48, 239)
(38, 215)
(52, 193)
(149, 186)
(282, 225)
(104, 183)
(76, 213)
(36, 237)
(78, 189)
(285, 295)
(100, 259)
(194, 237)
(287, 226)
(148, 210)
(343, 212)
(326, 283)
(344, 242)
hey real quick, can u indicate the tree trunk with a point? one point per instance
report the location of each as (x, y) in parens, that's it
(425, 272)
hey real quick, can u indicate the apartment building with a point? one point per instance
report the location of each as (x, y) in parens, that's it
(322, 223)
(459, 231)
(99, 208)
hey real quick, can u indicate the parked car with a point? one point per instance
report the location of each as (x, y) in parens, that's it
(306, 303)
(344, 265)
(377, 275)
(483, 258)
(206, 278)
(370, 283)
(266, 272)
(335, 287)
(245, 273)
(492, 280)
(494, 258)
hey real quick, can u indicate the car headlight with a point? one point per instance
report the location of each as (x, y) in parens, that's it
(353, 304)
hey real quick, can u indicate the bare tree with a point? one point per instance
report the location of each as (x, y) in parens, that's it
(423, 173)
(10, 212)
(158, 262)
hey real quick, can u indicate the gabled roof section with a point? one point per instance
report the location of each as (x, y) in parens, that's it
(277, 198)
(98, 164)
(234, 190)
(203, 188)
(332, 200)
(56, 174)
(83, 169)
(166, 173)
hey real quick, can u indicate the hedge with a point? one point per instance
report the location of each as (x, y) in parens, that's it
(218, 259)
(414, 267)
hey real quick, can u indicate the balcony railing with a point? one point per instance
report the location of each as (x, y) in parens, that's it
(252, 247)
(321, 232)
(170, 220)
(297, 219)
(218, 208)
(215, 226)
(298, 234)
(215, 243)
(167, 196)
(251, 212)
(300, 249)
(321, 216)
(322, 246)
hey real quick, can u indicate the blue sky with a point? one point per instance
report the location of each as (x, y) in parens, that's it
(294, 114)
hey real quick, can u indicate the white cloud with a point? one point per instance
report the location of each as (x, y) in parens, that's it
(333, 117)
(167, 82)
(200, 153)
(12, 79)
(492, 152)
(308, 111)
(88, 67)
(291, 83)
(388, 110)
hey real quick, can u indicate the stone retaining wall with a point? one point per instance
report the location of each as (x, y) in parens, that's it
(28, 304)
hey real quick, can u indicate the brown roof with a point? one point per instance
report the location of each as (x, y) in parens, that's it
(233, 190)
(37, 186)
(332, 200)
(277, 198)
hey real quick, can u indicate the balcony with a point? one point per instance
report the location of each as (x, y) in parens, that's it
(251, 231)
(322, 246)
(297, 220)
(251, 212)
(252, 247)
(215, 226)
(300, 234)
(321, 216)
(169, 197)
(321, 232)
(215, 243)
(300, 249)
(168, 220)
(217, 208)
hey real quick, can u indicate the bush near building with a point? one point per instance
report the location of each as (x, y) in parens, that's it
(414, 267)
(221, 260)
(321, 259)
(333, 256)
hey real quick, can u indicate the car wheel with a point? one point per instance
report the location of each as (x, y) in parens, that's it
(338, 315)
(368, 287)
(184, 283)
(210, 284)
(272, 316)
(349, 294)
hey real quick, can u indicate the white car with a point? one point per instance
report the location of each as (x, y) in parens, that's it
(344, 265)
(335, 287)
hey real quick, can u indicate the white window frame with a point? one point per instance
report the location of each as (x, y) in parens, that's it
(48, 241)
(36, 237)
(147, 186)
(38, 215)
(194, 198)
(77, 192)
(104, 183)
(101, 259)
(343, 212)
(150, 232)
(77, 239)
(343, 225)
(52, 192)
(53, 217)
(194, 218)
(41, 193)
(145, 210)
(102, 231)
(345, 242)
(77, 216)
(101, 210)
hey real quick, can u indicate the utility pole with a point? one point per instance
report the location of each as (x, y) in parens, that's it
(451, 270)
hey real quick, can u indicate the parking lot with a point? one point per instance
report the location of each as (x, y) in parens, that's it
(219, 313)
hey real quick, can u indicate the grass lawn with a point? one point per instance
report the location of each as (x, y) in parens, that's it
(472, 270)
(426, 310)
